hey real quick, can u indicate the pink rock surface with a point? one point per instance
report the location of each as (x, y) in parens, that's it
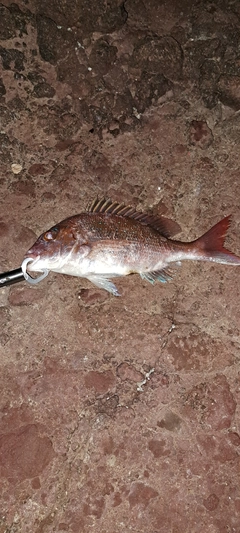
(119, 414)
(24, 453)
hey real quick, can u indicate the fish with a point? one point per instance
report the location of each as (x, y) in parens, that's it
(112, 239)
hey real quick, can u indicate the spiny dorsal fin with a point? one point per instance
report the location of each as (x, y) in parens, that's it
(165, 226)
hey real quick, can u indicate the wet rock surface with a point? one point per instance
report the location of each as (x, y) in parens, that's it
(119, 414)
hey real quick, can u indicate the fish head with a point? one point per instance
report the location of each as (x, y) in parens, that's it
(53, 247)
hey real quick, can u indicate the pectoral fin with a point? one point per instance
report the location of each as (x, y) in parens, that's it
(104, 283)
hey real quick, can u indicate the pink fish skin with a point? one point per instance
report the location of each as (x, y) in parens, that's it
(112, 239)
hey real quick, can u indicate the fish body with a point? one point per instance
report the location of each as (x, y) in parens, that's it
(111, 240)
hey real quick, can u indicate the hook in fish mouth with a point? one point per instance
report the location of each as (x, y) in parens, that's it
(27, 277)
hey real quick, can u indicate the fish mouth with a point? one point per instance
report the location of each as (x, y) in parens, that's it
(27, 277)
(32, 261)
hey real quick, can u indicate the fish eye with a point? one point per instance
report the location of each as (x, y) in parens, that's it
(51, 234)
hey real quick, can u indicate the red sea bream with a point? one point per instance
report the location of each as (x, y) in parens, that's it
(112, 239)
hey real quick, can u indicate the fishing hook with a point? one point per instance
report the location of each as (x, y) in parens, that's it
(27, 276)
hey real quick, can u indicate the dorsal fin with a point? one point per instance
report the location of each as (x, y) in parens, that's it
(165, 226)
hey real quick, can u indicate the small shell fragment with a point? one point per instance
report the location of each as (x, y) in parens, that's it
(16, 168)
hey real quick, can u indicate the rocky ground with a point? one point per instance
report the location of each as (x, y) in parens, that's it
(120, 414)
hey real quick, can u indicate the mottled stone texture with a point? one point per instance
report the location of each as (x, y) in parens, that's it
(119, 414)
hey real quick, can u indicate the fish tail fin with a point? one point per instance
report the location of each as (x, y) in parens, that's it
(210, 246)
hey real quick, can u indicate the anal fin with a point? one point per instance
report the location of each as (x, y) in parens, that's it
(104, 283)
(163, 275)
